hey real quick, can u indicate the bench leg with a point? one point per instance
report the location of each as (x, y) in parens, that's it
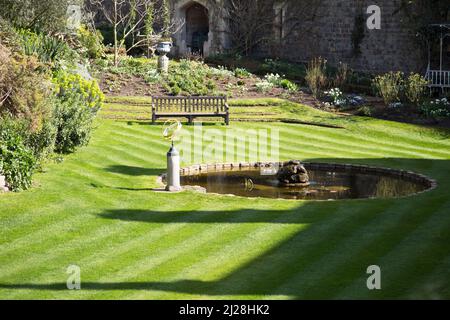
(227, 119)
(153, 118)
(190, 120)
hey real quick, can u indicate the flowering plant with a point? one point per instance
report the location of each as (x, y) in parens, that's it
(274, 79)
(338, 98)
(438, 108)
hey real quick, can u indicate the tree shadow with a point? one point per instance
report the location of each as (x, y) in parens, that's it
(335, 243)
(261, 275)
(160, 123)
(305, 214)
(134, 171)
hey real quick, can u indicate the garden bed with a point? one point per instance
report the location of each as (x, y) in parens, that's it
(138, 77)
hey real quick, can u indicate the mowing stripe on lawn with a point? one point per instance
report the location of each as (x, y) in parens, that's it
(303, 255)
(200, 235)
(238, 250)
(372, 149)
(364, 247)
(260, 234)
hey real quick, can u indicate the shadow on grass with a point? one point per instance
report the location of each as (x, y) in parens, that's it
(161, 123)
(103, 186)
(327, 253)
(134, 171)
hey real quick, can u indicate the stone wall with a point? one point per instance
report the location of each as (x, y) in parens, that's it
(394, 47)
(329, 35)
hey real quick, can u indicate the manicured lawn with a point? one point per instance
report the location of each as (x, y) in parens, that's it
(96, 210)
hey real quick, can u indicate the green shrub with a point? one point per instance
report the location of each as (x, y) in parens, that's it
(415, 87)
(68, 85)
(175, 90)
(274, 79)
(141, 67)
(211, 85)
(341, 75)
(137, 66)
(290, 70)
(17, 161)
(74, 123)
(316, 76)
(189, 77)
(92, 42)
(288, 85)
(241, 73)
(277, 81)
(46, 48)
(389, 86)
(337, 97)
(101, 63)
(220, 72)
(264, 86)
(365, 111)
(40, 15)
(152, 76)
(76, 107)
(438, 108)
(42, 141)
(24, 88)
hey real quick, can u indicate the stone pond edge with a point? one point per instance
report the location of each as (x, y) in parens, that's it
(430, 183)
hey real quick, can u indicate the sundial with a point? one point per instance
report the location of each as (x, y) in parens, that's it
(171, 129)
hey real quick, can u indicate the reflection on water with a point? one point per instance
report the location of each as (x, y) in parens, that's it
(324, 185)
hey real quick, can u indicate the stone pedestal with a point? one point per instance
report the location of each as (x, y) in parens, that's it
(163, 64)
(173, 170)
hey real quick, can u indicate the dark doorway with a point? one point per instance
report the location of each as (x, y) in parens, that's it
(197, 27)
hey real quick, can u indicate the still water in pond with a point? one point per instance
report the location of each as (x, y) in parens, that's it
(324, 185)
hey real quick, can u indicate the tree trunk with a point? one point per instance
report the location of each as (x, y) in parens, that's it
(116, 48)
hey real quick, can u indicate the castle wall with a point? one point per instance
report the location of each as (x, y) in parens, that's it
(330, 34)
(393, 47)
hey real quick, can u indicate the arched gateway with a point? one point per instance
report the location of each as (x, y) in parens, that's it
(203, 28)
(197, 27)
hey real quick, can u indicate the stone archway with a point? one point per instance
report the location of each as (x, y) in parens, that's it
(197, 27)
(197, 34)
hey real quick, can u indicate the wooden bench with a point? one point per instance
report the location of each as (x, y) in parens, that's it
(190, 108)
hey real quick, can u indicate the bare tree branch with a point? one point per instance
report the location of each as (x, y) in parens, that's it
(128, 19)
(254, 22)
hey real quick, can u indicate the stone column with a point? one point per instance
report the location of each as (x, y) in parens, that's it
(207, 45)
(163, 64)
(173, 170)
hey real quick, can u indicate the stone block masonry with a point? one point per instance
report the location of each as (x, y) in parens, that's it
(333, 29)
(337, 35)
